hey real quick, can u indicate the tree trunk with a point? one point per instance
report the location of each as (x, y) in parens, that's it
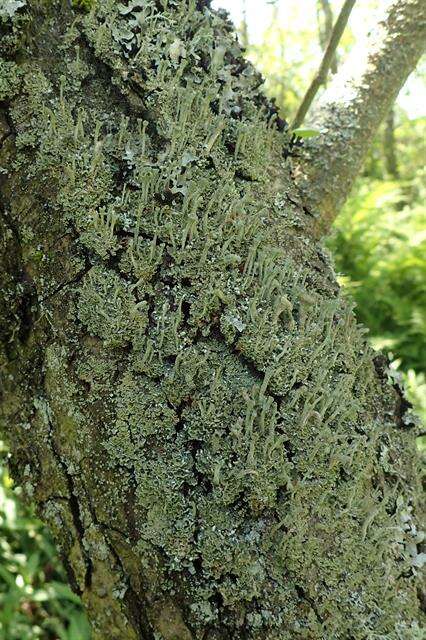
(188, 398)
(350, 111)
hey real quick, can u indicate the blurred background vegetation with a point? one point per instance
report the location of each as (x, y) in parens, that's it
(378, 246)
(35, 601)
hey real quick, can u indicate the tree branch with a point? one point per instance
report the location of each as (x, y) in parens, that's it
(244, 34)
(329, 55)
(352, 108)
(326, 29)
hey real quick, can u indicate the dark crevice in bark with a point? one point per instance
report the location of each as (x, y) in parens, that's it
(21, 312)
(78, 278)
(7, 123)
(403, 407)
(108, 527)
(135, 602)
(74, 506)
(421, 595)
(303, 596)
(9, 221)
(28, 308)
(4, 137)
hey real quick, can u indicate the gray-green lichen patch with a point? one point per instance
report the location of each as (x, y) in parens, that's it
(8, 8)
(109, 310)
(212, 398)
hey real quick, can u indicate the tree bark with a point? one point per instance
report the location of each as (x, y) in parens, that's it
(188, 398)
(354, 105)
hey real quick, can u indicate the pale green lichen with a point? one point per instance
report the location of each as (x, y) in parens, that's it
(215, 394)
(8, 8)
(109, 310)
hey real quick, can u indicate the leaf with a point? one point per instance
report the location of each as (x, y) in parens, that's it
(306, 133)
(62, 591)
(79, 627)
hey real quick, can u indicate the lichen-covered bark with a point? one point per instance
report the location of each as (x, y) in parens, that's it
(355, 104)
(189, 399)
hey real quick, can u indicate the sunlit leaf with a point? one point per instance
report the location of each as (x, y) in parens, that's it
(305, 133)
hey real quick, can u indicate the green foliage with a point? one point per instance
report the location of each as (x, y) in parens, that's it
(415, 385)
(35, 603)
(288, 52)
(286, 59)
(305, 133)
(410, 147)
(379, 245)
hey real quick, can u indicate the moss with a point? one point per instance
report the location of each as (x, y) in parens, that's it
(210, 390)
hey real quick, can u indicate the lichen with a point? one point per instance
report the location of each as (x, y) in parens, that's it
(210, 393)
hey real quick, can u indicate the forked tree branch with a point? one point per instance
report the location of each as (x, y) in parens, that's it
(356, 102)
(326, 63)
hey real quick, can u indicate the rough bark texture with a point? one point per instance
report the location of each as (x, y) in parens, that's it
(189, 400)
(354, 105)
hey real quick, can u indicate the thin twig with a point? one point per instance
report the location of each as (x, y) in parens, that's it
(321, 75)
(326, 31)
